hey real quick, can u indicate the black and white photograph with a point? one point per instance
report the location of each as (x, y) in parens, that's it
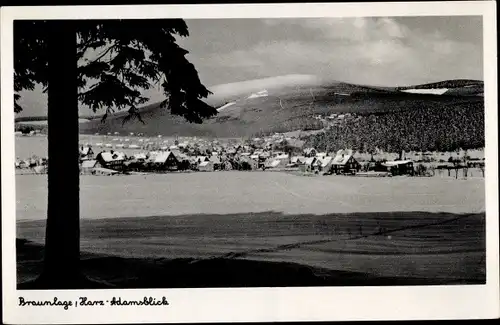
(183, 152)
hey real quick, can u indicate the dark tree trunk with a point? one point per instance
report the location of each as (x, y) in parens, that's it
(62, 239)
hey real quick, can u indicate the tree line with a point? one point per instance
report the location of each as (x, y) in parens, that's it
(425, 128)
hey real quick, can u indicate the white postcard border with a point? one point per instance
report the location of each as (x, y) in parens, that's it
(258, 304)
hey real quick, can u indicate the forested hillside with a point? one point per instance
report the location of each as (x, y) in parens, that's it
(458, 125)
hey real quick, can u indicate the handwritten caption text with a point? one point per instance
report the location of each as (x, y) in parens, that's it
(85, 302)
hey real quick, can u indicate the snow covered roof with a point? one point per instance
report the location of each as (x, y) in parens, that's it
(396, 162)
(341, 159)
(298, 159)
(310, 161)
(204, 163)
(85, 150)
(89, 163)
(282, 156)
(108, 156)
(162, 157)
(215, 159)
(274, 163)
(325, 161)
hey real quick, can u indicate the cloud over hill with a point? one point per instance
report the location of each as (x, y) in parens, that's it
(289, 103)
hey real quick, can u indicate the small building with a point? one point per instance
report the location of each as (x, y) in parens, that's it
(272, 163)
(86, 153)
(166, 161)
(311, 164)
(254, 164)
(399, 167)
(216, 161)
(475, 163)
(206, 166)
(276, 162)
(326, 163)
(140, 157)
(111, 160)
(310, 152)
(298, 160)
(344, 163)
(88, 166)
(200, 159)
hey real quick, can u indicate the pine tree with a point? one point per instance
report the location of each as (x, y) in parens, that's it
(104, 64)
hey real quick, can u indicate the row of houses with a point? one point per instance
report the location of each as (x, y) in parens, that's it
(113, 162)
(241, 157)
(342, 163)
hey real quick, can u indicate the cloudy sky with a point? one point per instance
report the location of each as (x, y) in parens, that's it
(389, 51)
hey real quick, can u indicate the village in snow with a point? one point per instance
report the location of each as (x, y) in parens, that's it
(115, 154)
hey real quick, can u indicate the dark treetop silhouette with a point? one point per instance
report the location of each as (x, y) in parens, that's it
(103, 64)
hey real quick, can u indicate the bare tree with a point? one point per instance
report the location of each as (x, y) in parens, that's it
(465, 160)
(482, 169)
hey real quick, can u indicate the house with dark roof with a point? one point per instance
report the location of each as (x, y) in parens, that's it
(345, 163)
(310, 152)
(252, 163)
(166, 161)
(400, 167)
(111, 160)
(200, 159)
(86, 153)
(310, 164)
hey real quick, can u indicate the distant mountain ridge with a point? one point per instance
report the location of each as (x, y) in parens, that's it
(288, 103)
